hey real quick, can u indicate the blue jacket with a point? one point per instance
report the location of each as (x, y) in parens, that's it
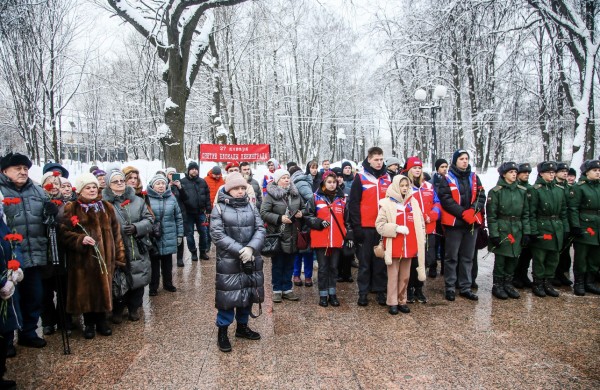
(166, 210)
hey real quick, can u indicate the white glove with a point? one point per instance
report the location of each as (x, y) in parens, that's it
(8, 290)
(179, 240)
(246, 254)
(388, 261)
(421, 274)
(325, 224)
(401, 229)
(17, 276)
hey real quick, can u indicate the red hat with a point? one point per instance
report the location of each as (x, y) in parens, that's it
(231, 165)
(413, 162)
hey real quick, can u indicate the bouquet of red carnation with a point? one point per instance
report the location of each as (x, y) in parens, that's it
(101, 262)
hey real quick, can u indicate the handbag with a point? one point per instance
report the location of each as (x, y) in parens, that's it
(120, 284)
(302, 238)
(379, 250)
(482, 238)
(157, 225)
(272, 245)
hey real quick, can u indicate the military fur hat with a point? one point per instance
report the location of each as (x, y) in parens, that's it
(507, 166)
(547, 166)
(561, 166)
(588, 165)
(525, 167)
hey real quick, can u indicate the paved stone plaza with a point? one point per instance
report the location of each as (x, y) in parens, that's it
(529, 343)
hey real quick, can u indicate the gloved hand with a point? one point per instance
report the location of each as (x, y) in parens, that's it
(577, 232)
(246, 254)
(50, 209)
(17, 276)
(325, 224)
(495, 241)
(421, 274)
(248, 267)
(8, 290)
(388, 261)
(526, 240)
(350, 243)
(129, 229)
(469, 216)
(179, 240)
(433, 216)
(401, 229)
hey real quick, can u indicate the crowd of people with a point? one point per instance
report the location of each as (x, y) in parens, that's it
(89, 250)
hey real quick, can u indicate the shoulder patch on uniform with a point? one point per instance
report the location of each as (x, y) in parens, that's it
(580, 183)
(497, 188)
(572, 194)
(537, 186)
(521, 187)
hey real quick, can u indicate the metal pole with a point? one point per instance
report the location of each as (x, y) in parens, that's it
(434, 138)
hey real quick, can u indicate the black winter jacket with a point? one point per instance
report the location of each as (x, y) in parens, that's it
(198, 195)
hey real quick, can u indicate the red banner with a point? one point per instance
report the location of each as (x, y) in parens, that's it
(238, 153)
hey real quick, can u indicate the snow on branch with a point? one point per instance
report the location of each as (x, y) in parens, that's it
(198, 47)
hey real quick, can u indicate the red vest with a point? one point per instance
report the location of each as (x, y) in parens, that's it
(373, 190)
(447, 218)
(331, 236)
(404, 246)
(429, 202)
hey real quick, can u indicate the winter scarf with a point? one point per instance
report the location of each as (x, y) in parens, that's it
(91, 204)
(377, 173)
(394, 195)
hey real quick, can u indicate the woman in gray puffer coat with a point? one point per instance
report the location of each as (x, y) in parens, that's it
(136, 223)
(238, 233)
(166, 210)
(280, 208)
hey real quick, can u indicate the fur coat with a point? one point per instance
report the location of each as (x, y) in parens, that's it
(89, 289)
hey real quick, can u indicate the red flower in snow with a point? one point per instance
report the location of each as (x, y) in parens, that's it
(548, 237)
(590, 231)
(511, 238)
(74, 220)
(13, 264)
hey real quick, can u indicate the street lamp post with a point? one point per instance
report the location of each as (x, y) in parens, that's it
(431, 101)
(341, 137)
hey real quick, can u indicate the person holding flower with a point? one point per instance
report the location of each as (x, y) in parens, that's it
(136, 223)
(166, 210)
(584, 217)
(91, 231)
(401, 223)
(507, 212)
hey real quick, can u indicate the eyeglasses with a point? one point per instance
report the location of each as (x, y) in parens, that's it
(117, 182)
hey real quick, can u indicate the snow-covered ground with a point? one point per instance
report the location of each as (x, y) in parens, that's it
(148, 169)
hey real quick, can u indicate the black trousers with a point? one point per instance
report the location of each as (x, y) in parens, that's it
(5, 340)
(132, 300)
(345, 266)
(50, 310)
(93, 318)
(564, 262)
(162, 264)
(414, 281)
(523, 263)
(372, 271)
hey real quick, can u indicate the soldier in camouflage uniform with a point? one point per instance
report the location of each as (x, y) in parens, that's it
(584, 216)
(521, 279)
(507, 211)
(549, 227)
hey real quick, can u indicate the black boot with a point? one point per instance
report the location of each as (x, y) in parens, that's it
(244, 331)
(518, 282)
(323, 301)
(103, 328)
(419, 296)
(393, 310)
(117, 313)
(223, 340)
(333, 301)
(498, 288)
(363, 300)
(204, 255)
(410, 295)
(89, 332)
(381, 298)
(549, 289)
(590, 285)
(510, 289)
(538, 288)
(579, 285)
(195, 258)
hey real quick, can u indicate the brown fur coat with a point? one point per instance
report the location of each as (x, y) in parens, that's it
(90, 290)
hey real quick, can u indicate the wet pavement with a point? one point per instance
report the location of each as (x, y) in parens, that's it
(527, 343)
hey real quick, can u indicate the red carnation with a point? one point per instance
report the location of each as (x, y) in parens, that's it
(73, 189)
(13, 264)
(125, 203)
(11, 201)
(13, 237)
(74, 220)
(56, 202)
(56, 173)
(511, 238)
(590, 231)
(144, 193)
(49, 187)
(548, 237)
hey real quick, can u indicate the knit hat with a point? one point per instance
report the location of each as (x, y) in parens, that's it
(64, 180)
(216, 170)
(14, 159)
(99, 172)
(55, 167)
(327, 174)
(291, 164)
(230, 165)
(572, 172)
(588, 165)
(113, 174)
(525, 167)
(156, 178)
(413, 162)
(507, 166)
(84, 179)
(338, 171)
(346, 164)
(457, 154)
(46, 176)
(392, 161)
(294, 169)
(546, 166)
(278, 174)
(93, 168)
(129, 170)
(193, 165)
(561, 166)
(439, 162)
(170, 170)
(234, 179)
